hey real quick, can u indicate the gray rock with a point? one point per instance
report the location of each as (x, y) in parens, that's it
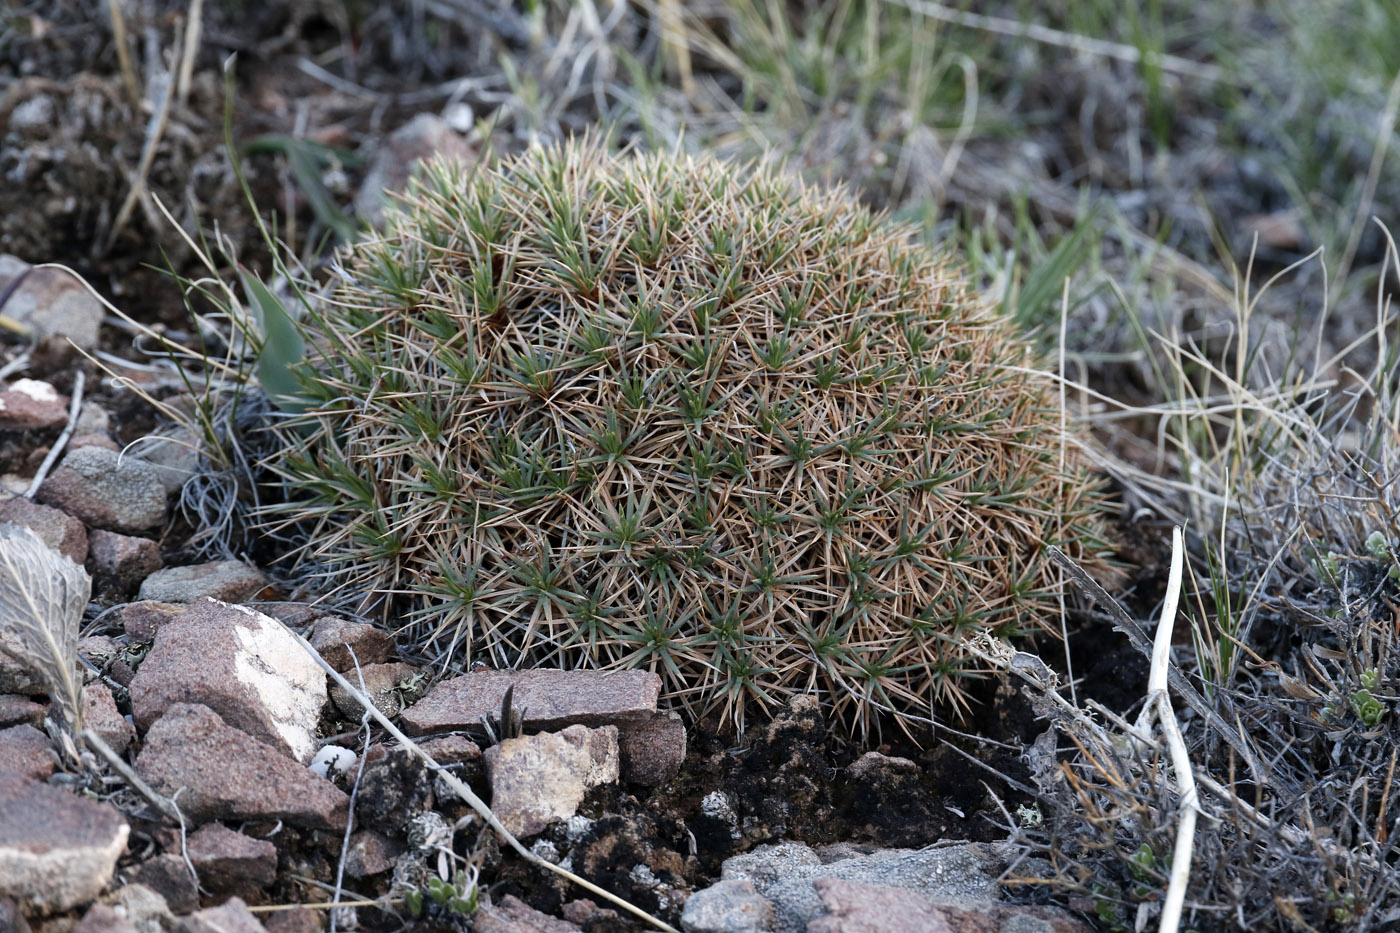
(400, 154)
(26, 751)
(232, 916)
(538, 779)
(652, 750)
(241, 664)
(175, 455)
(766, 865)
(106, 490)
(727, 907)
(57, 850)
(334, 638)
(56, 528)
(512, 915)
(786, 876)
(853, 907)
(100, 714)
(52, 302)
(227, 860)
(231, 581)
(370, 854)
(546, 699)
(229, 775)
(31, 405)
(121, 562)
(387, 686)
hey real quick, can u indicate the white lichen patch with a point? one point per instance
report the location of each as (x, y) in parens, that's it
(288, 684)
(38, 391)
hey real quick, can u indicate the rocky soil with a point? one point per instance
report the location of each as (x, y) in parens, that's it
(233, 784)
(248, 790)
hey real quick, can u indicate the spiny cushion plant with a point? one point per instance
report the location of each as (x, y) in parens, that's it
(669, 413)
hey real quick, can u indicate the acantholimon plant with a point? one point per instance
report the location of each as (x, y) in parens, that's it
(662, 412)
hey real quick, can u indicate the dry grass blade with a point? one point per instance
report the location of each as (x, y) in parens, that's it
(42, 598)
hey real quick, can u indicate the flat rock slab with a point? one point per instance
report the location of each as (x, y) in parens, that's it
(538, 779)
(228, 580)
(853, 907)
(229, 775)
(57, 850)
(241, 664)
(106, 490)
(545, 699)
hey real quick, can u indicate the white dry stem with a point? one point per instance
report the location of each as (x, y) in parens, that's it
(194, 27)
(1159, 706)
(465, 792)
(74, 410)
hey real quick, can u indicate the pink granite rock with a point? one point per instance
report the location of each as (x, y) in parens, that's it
(370, 854)
(26, 751)
(333, 637)
(169, 876)
(31, 405)
(140, 620)
(229, 775)
(242, 665)
(57, 849)
(122, 561)
(387, 685)
(16, 710)
(546, 699)
(227, 860)
(512, 915)
(56, 528)
(232, 916)
(100, 714)
(652, 750)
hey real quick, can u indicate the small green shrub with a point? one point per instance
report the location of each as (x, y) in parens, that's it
(674, 414)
